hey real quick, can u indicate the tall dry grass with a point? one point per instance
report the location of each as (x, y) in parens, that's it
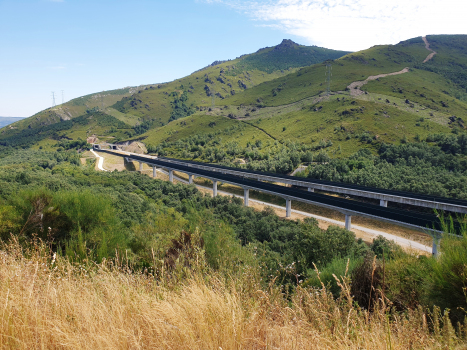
(48, 303)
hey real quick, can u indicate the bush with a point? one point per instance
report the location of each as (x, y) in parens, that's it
(384, 247)
(337, 267)
(447, 283)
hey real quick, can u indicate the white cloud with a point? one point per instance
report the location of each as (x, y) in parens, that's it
(356, 24)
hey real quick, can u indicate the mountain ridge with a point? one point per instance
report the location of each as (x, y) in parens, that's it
(260, 98)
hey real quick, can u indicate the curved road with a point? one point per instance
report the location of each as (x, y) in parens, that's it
(100, 161)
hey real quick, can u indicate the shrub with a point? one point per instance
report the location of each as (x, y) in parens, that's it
(447, 283)
(384, 247)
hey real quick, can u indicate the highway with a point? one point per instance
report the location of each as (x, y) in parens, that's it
(419, 221)
(422, 200)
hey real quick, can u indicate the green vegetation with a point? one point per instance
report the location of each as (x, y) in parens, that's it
(88, 216)
(285, 56)
(92, 119)
(450, 60)
(404, 132)
(180, 109)
(273, 92)
(416, 167)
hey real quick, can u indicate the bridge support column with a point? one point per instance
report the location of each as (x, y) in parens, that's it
(214, 188)
(154, 173)
(190, 179)
(171, 175)
(435, 247)
(140, 166)
(311, 189)
(246, 196)
(383, 203)
(348, 222)
(288, 208)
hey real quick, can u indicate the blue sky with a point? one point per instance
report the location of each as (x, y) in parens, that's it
(83, 46)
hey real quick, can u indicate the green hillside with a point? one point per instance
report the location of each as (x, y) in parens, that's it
(263, 103)
(408, 106)
(57, 122)
(283, 57)
(146, 107)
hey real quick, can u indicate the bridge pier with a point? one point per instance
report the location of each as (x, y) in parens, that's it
(288, 208)
(190, 179)
(214, 188)
(434, 249)
(348, 222)
(140, 166)
(246, 196)
(171, 175)
(311, 189)
(154, 174)
(383, 203)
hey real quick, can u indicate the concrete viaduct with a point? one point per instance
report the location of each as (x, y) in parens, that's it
(419, 221)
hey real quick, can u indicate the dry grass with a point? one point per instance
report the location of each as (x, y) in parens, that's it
(53, 304)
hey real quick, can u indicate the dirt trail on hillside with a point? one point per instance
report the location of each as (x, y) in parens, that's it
(427, 46)
(355, 87)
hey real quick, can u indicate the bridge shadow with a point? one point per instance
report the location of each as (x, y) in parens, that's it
(130, 166)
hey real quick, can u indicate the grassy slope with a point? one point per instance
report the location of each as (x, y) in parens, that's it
(288, 99)
(224, 80)
(293, 106)
(153, 102)
(227, 129)
(67, 111)
(310, 81)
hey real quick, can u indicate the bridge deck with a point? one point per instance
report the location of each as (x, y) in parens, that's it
(420, 221)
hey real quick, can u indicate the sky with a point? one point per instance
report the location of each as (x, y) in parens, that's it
(83, 46)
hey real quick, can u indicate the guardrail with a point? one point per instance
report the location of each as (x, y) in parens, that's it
(384, 196)
(418, 221)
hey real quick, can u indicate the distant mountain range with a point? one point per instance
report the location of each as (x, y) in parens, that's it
(4, 121)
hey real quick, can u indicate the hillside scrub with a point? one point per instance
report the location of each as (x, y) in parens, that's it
(259, 156)
(122, 229)
(86, 214)
(439, 169)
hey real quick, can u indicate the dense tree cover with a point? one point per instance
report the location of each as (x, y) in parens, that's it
(27, 137)
(180, 109)
(414, 167)
(102, 119)
(143, 127)
(76, 144)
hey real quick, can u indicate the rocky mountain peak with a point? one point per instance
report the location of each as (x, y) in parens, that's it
(286, 44)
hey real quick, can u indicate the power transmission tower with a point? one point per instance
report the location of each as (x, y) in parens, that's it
(63, 96)
(53, 98)
(328, 78)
